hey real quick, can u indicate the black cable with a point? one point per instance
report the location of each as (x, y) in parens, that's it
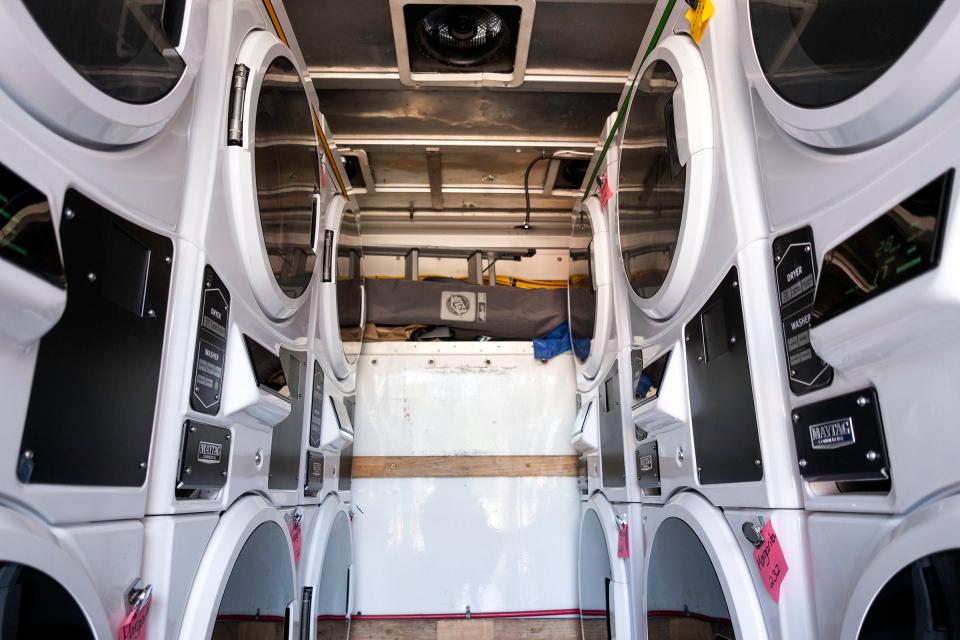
(526, 190)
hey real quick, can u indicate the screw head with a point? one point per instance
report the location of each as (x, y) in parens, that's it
(806, 249)
(28, 454)
(431, 361)
(796, 417)
(188, 470)
(872, 456)
(69, 214)
(193, 429)
(151, 313)
(735, 284)
(223, 474)
(258, 457)
(374, 361)
(143, 465)
(802, 462)
(862, 401)
(227, 437)
(793, 372)
(168, 259)
(733, 339)
(91, 277)
(757, 462)
(680, 455)
(699, 358)
(777, 258)
(486, 362)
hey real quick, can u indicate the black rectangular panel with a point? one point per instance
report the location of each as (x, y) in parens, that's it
(796, 269)
(313, 473)
(346, 469)
(612, 464)
(316, 405)
(841, 438)
(90, 418)
(210, 353)
(648, 465)
(205, 456)
(26, 229)
(723, 416)
(288, 435)
(900, 245)
(268, 369)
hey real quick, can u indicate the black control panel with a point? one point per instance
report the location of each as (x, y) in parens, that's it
(316, 405)
(794, 260)
(204, 456)
(94, 393)
(313, 473)
(900, 245)
(210, 354)
(722, 411)
(842, 438)
(27, 238)
(648, 465)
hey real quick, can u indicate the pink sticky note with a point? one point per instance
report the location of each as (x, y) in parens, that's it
(623, 541)
(605, 191)
(134, 627)
(296, 538)
(771, 562)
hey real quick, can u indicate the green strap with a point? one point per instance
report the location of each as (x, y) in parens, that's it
(622, 111)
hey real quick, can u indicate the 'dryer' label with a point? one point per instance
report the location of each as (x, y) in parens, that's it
(832, 435)
(209, 452)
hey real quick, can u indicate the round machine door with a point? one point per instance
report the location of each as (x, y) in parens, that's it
(342, 300)
(603, 585)
(697, 580)
(245, 583)
(44, 592)
(103, 72)
(835, 87)
(589, 291)
(666, 177)
(332, 602)
(911, 589)
(274, 166)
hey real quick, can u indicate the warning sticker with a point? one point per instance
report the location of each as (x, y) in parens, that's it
(459, 306)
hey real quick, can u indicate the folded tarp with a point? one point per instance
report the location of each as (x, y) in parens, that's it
(504, 313)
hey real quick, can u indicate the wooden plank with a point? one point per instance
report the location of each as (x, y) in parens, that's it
(463, 466)
(505, 629)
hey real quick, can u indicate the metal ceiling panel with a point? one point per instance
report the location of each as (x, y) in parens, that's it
(338, 33)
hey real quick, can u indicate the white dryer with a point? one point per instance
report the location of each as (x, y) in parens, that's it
(245, 581)
(610, 560)
(879, 577)
(70, 581)
(695, 355)
(326, 570)
(858, 163)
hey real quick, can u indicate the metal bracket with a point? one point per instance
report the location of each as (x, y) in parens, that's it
(137, 595)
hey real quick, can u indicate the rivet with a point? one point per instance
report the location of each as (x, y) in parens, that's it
(872, 456)
(688, 338)
(28, 454)
(193, 429)
(143, 465)
(91, 276)
(757, 462)
(777, 258)
(733, 339)
(802, 462)
(68, 214)
(793, 372)
(188, 470)
(168, 259)
(796, 417)
(862, 401)
(226, 437)
(223, 474)
(806, 249)
(699, 358)
(735, 284)
(151, 313)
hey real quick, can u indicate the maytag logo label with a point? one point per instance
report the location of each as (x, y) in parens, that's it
(209, 452)
(832, 435)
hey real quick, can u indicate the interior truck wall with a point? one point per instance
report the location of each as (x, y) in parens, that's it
(442, 544)
(547, 264)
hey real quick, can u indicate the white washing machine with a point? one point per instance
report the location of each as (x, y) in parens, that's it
(702, 406)
(610, 560)
(881, 577)
(261, 175)
(245, 580)
(326, 570)
(858, 164)
(70, 581)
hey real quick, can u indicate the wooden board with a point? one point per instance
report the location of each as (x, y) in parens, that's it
(463, 466)
(507, 629)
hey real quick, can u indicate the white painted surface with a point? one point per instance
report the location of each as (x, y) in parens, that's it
(460, 405)
(438, 545)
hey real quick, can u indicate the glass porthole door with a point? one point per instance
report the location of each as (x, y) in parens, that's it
(666, 177)
(342, 298)
(832, 87)
(101, 72)
(274, 172)
(589, 294)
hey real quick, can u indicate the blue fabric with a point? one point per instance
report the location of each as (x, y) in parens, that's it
(557, 341)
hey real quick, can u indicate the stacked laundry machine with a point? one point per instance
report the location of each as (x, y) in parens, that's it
(858, 155)
(182, 297)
